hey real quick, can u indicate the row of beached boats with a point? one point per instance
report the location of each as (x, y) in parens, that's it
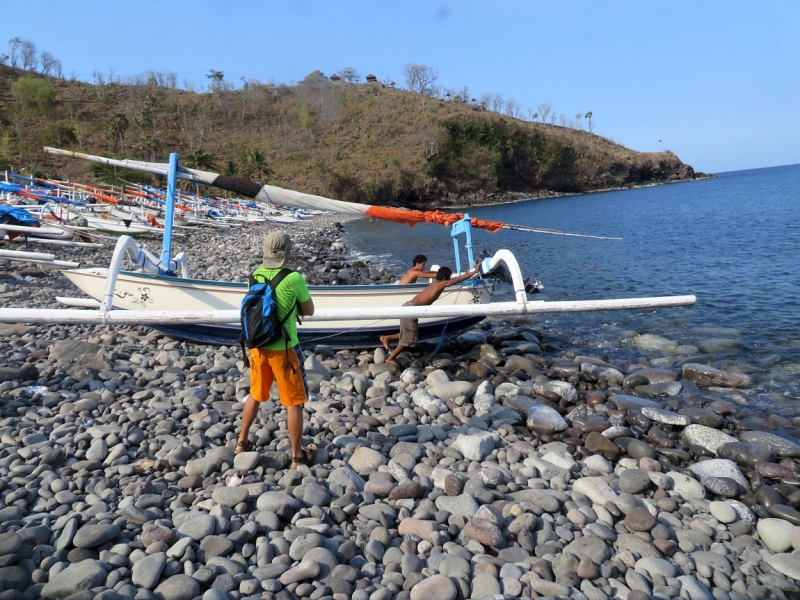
(135, 210)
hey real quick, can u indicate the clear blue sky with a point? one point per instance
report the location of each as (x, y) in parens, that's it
(717, 81)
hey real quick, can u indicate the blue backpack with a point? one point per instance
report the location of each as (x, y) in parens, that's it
(261, 325)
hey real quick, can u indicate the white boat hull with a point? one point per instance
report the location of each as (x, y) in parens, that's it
(138, 291)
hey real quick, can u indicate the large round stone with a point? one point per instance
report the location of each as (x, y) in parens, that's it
(775, 533)
(91, 536)
(438, 587)
(178, 587)
(79, 577)
(640, 519)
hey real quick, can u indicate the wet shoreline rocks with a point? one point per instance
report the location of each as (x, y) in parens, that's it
(499, 466)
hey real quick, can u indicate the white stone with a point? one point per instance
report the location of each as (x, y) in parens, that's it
(411, 376)
(666, 416)
(708, 438)
(507, 389)
(598, 464)
(611, 374)
(422, 398)
(451, 390)
(543, 419)
(786, 564)
(596, 489)
(365, 460)
(685, 486)
(483, 402)
(437, 376)
(565, 390)
(380, 356)
(476, 446)
(718, 467)
(655, 566)
(561, 459)
(438, 476)
(723, 512)
(484, 388)
(315, 370)
(776, 534)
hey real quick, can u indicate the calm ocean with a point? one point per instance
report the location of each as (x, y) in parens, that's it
(733, 241)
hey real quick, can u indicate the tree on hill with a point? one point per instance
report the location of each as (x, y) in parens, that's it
(231, 169)
(13, 47)
(544, 110)
(116, 129)
(200, 159)
(216, 78)
(27, 52)
(420, 78)
(255, 165)
(60, 135)
(315, 76)
(34, 92)
(50, 64)
(349, 74)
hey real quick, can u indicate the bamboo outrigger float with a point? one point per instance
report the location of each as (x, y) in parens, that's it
(345, 315)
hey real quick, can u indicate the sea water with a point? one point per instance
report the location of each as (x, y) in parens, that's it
(733, 241)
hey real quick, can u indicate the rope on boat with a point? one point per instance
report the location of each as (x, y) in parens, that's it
(441, 337)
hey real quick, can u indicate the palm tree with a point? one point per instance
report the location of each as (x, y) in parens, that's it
(231, 169)
(589, 116)
(116, 129)
(200, 159)
(257, 166)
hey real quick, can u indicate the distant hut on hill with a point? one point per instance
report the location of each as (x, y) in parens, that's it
(335, 77)
(371, 78)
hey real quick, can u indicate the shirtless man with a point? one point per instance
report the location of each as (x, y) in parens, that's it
(418, 270)
(409, 328)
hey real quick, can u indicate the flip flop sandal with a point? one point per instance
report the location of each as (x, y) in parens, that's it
(243, 446)
(308, 456)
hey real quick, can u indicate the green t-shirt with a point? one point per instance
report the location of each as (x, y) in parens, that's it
(290, 291)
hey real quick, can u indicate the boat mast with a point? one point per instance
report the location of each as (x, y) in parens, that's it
(172, 178)
(463, 227)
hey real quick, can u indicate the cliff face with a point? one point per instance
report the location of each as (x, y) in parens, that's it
(360, 142)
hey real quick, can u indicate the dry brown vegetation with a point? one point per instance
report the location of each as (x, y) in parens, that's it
(364, 142)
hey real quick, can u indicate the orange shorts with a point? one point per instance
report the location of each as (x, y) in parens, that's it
(267, 366)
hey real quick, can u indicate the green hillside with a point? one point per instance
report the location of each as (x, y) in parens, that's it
(363, 142)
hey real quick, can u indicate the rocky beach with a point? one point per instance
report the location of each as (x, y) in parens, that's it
(504, 466)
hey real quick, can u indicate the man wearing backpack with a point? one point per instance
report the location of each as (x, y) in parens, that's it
(282, 360)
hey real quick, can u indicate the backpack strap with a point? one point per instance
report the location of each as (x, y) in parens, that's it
(245, 355)
(274, 283)
(282, 274)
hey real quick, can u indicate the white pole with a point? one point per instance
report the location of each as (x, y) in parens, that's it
(187, 317)
(53, 263)
(78, 302)
(39, 230)
(26, 255)
(31, 240)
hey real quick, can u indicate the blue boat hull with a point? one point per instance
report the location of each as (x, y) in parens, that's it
(358, 338)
